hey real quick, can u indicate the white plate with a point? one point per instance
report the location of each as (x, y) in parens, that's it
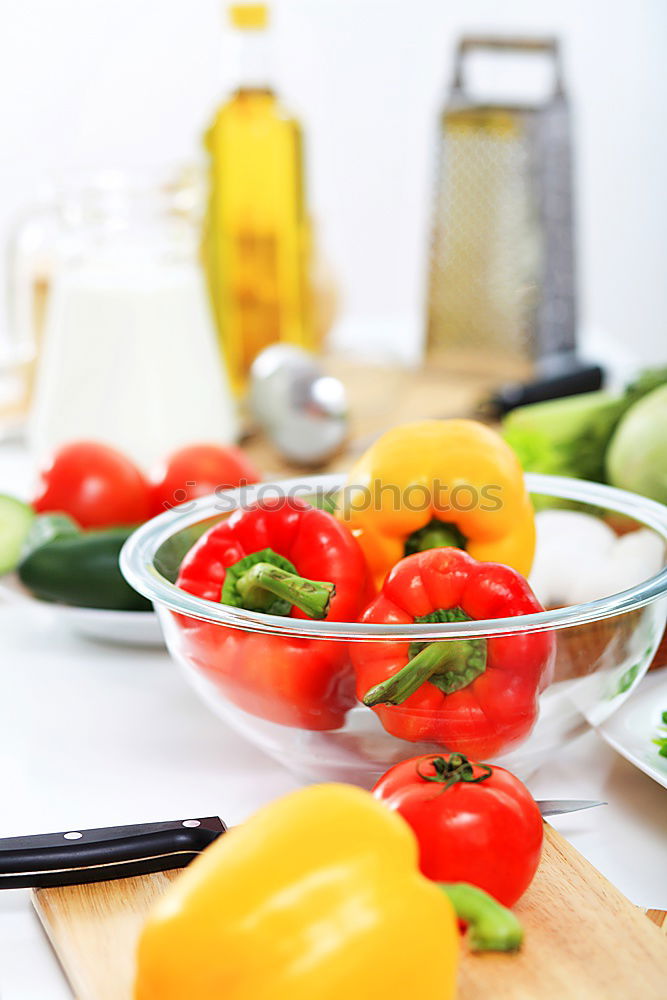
(632, 728)
(131, 628)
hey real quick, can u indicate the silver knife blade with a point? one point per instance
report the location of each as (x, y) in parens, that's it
(558, 807)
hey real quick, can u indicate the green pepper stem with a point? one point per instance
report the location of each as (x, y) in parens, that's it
(434, 535)
(313, 597)
(491, 926)
(456, 657)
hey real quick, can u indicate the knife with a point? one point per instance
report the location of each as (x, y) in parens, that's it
(83, 856)
(559, 807)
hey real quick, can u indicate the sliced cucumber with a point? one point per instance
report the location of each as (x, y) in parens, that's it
(16, 518)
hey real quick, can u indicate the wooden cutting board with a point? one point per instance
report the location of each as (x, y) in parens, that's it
(584, 940)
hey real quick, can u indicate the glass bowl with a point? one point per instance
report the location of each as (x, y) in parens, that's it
(602, 648)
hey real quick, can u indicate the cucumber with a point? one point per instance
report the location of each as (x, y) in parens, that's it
(16, 518)
(47, 527)
(81, 569)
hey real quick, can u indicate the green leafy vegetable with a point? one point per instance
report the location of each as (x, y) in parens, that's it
(627, 679)
(570, 436)
(661, 740)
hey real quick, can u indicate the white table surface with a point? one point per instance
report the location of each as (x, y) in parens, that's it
(97, 735)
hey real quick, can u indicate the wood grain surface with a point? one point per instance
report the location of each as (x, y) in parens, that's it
(659, 918)
(94, 929)
(584, 940)
(380, 397)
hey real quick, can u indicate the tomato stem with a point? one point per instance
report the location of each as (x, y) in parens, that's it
(454, 768)
(491, 926)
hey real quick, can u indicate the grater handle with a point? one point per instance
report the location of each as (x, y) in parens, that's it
(548, 45)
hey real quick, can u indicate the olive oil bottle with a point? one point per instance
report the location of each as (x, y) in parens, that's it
(256, 236)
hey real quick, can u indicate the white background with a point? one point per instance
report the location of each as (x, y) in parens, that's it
(133, 82)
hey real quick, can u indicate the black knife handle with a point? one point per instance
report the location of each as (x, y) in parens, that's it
(80, 856)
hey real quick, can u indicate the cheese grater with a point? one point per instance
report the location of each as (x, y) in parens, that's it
(502, 281)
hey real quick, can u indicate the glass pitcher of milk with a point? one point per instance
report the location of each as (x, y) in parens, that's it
(129, 354)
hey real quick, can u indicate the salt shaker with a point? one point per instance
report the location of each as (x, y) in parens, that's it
(302, 410)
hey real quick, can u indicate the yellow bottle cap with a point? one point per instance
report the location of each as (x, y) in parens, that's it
(249, 16)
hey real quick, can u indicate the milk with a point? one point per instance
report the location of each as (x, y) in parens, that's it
(130, 359)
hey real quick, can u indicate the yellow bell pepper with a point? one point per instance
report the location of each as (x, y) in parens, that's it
(439, 482)
(317, 897)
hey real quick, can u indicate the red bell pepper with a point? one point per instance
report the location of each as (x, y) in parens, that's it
(263, 558)
(475, 696)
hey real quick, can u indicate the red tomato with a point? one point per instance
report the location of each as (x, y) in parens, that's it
(200, 469)
(474, 823)
(95, 484)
